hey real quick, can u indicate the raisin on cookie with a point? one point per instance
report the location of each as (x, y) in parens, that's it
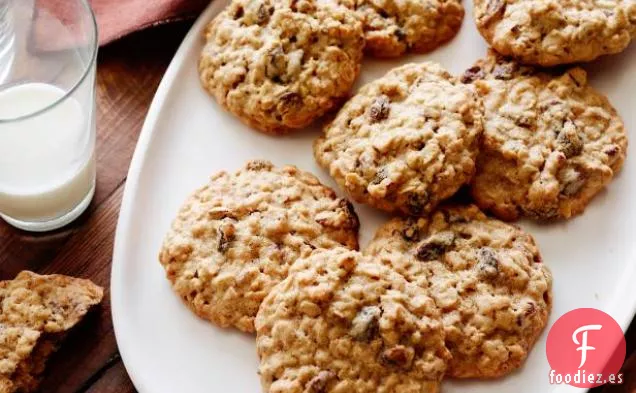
(486, 277)
(392, 28)
(235, 238)
(341, 322)
(279, 65)
(551, 142)
(553, 32)
(406, 141)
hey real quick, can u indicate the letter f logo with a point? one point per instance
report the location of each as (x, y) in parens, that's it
(583, 344)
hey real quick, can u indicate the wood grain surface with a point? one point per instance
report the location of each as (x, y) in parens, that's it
(128, 74)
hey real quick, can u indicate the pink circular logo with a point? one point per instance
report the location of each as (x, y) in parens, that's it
(585, 348)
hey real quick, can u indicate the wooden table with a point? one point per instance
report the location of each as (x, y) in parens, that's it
(128, 74)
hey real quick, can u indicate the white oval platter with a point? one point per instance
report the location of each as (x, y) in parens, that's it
(187, 137)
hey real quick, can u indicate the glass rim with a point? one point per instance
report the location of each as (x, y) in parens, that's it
(80, 80)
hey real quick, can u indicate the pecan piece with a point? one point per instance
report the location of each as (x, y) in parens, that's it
(318, 384)
(571, 189)
(530, 309)
(527, 312)
(505, 71)
(352, 221)
(276, 64)
(472, 74)
(219, 213)
(494, 9)
(365, 325)
(399, 356)
(342, 216)
(226, 236)
(435, 246)
(379, 176)
(380, 109)
(263, 14)
(488, 264)
(573, 181)
(578, 76)
(569, 142)
(290, 101)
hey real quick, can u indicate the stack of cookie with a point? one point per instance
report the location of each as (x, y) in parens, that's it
(443, 290)
(278, 65)
(36, 313)
(529, 142)
(236, 238)
(452, 294)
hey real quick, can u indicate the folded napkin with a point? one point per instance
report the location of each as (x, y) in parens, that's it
(117, 18)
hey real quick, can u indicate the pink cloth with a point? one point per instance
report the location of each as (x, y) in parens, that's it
(117, 18)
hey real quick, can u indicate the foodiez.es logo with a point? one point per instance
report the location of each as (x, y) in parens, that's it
(585, 348)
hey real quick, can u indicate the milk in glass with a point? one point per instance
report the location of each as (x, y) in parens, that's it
(47, 163)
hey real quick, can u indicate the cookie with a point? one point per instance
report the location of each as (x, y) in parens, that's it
(553, 32)
(235, 238)
(279, 65)
(551, 142)
(406, 141)
(50, 303)
(485, 276)
(36, 312)
(16, 346)
(343, 323)
(392, 28)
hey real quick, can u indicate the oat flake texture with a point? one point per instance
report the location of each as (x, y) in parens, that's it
(553, 32)
(279, 65)
(342, 323)
(235, 238)
(486, 277)
(16, 346)
(36, 313)
(406, 141)
(393, 28)
(551, 142)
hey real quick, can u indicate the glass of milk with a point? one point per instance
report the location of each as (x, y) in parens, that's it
(48, 50)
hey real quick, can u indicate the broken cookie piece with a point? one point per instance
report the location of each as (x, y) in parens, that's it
(36, 312)
(549, 154)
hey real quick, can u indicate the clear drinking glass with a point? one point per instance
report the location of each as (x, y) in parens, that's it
(48, 50)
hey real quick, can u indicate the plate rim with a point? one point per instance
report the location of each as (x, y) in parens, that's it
(132, 183)
(622, 309)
